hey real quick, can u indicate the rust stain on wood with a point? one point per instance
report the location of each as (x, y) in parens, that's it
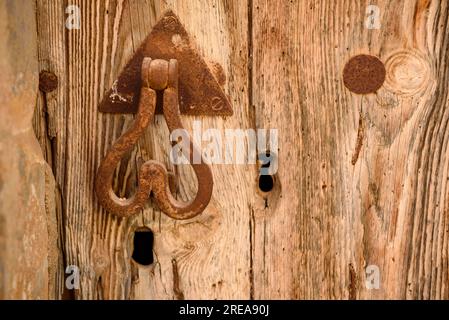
(352, 287)
(359, 141)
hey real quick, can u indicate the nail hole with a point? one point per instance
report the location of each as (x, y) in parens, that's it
(266, 180)
(143, 247)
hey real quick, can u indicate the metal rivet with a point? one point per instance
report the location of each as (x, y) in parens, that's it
(48, 81)
(364, 74)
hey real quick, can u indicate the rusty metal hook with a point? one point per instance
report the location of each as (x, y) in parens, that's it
(157, 75)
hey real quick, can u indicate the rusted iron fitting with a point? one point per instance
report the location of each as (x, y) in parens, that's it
(157, 75)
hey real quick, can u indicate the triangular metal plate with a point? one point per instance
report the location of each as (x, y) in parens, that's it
(199, 90)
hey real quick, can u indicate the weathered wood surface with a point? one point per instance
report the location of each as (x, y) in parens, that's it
(207, 257)
(362, 180)
(28, 255)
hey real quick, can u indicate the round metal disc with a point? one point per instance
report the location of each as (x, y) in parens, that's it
(364, 74)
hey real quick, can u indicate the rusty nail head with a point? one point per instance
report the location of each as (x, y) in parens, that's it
(364, 74)
(48, 81)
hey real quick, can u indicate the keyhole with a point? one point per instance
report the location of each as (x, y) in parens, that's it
(266, 180)
(143, 247)
(266, 183)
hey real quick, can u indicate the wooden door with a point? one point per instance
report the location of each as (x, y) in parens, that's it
(358, 208)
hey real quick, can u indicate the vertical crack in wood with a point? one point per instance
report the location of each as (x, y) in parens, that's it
(179, 295)
(253, 118)
(251, 254)
(99, 289)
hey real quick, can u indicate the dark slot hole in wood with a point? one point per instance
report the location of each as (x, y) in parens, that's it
(143, 247)
(266, 181)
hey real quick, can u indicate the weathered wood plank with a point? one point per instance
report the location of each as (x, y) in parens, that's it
(27, 252)
(205, 257)
(48, 120)
(363, 178)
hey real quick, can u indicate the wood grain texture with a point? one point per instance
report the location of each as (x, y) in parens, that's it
(48, 124)
(205, 257)
(364, 178)
(27, 252)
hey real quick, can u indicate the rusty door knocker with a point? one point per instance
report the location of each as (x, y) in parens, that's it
(154, 68)
(157, 75)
